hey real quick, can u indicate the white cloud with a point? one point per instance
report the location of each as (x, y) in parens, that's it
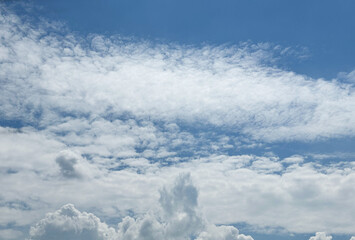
(267, 165)
(222, 232)
(178, 219)
(241, 188)
(321, 236)
(45, 78)
(127, 117)
(293, 159)
(69, 223)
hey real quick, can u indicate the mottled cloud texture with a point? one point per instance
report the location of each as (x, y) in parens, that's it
(104, 122)
(47, 76)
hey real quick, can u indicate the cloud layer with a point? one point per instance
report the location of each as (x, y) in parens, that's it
(103, 123)
(49, 78)
(240, 188)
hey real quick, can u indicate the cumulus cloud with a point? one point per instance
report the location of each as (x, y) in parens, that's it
(179, 219)
(321, 236)
(223, 233)
(69, 223)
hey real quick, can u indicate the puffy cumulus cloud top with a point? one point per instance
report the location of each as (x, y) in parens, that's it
(322, 236)
(69, 223)
(178, 219)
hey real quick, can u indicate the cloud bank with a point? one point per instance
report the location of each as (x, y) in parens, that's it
(179, 219)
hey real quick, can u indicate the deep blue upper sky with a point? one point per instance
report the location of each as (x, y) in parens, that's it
(325, 28)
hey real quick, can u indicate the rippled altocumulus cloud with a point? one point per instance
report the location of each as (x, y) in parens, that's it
(48, 78)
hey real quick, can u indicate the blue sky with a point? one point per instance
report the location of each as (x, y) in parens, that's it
(324, 28)
(177, 120)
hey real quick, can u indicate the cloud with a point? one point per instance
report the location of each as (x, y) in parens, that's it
(259, 188)
(46, 79)
(66, 162)
(10, 234)
(222, 232)
(69, 223)
(178, 219)
(324, 236)
(347, 77)
(103, 123)
(293, 159)
(321, 236)
(73, 166)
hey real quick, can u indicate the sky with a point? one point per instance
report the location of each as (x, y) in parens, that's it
(177, 120)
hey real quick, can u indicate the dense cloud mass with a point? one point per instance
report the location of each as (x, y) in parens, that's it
(179, 219)
(69, 223)
(321, 236)
(103, 123)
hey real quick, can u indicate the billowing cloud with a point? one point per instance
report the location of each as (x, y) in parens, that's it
(179, 218)
(69, 223)
(324, 236)
(321, 236)
(222, 232)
